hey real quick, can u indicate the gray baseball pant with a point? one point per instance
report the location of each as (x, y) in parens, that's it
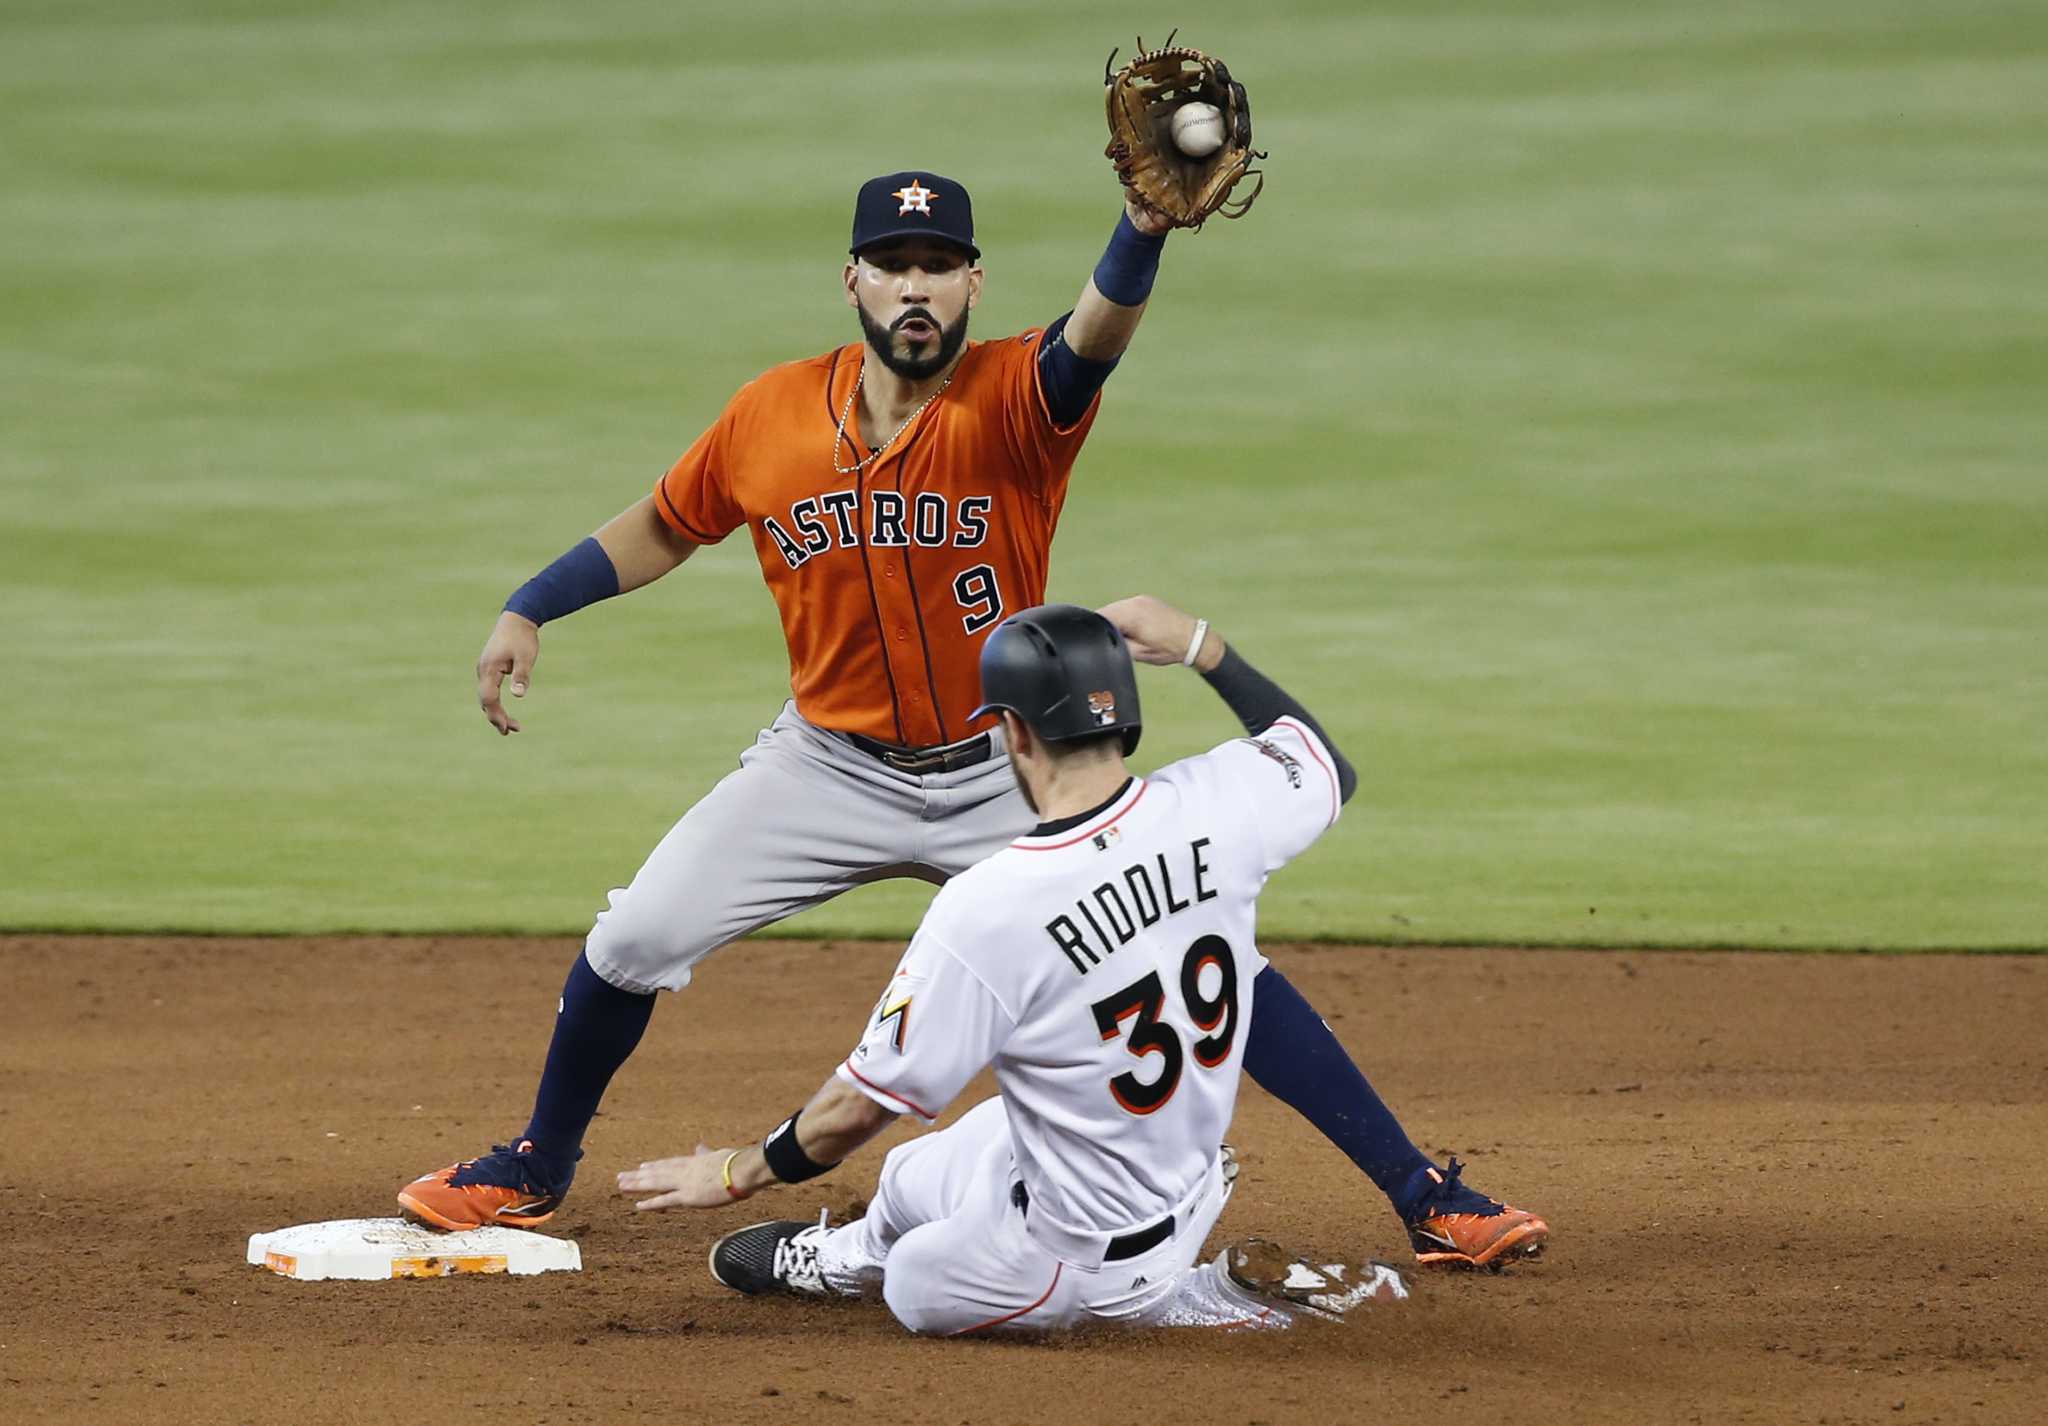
(805, 816)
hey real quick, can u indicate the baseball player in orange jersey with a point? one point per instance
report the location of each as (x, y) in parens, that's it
(901, 493)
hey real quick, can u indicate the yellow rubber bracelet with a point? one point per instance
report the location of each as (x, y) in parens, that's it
(725, 1173)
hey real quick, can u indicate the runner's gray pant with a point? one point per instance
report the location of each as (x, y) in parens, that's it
(805, 816)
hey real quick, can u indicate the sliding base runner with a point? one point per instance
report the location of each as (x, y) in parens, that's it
(1106, 966)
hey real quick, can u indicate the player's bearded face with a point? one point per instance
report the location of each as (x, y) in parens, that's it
(914, 298)
(914, 345)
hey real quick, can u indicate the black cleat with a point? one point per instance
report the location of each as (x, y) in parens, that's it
(778, 1256)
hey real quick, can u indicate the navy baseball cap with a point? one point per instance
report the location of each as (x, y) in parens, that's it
(913, 205)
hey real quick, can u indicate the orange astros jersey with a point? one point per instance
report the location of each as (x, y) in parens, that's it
(888, 580)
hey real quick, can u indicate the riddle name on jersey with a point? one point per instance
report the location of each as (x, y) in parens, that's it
(1134, 900)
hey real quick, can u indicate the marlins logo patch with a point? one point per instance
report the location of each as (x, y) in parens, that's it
(892, 1012)
(899, 1011)
(1102, 707)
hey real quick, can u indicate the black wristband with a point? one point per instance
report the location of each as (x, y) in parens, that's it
(786, 1157)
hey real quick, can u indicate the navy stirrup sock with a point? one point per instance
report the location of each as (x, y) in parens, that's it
(1291, 1054)
(597, 1031)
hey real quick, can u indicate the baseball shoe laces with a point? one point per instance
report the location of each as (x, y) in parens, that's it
(777, 1256)
(796, 1257)
(1458, 1226)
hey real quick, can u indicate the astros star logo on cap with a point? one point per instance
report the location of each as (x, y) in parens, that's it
(916, 198)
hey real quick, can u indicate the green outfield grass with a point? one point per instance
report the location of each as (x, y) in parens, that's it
(1623, 423)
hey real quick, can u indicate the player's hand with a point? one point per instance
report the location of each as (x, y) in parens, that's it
(1144, 217)
(1159, 633)
(692, 1181)
(512, 648)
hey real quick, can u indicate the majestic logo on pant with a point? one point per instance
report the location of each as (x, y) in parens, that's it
(835, 520)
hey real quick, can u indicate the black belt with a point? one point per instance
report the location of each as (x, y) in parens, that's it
(1130, 1245)
(950, 758)
(1142, 1241)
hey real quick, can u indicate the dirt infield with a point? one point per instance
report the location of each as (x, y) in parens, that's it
(1783, 1188)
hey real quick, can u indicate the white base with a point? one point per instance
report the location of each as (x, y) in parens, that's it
(367, 1249)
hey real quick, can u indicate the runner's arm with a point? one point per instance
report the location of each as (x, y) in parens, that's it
(837, 1121)
(938, 1026)
(1259, 703)
(1158, 633)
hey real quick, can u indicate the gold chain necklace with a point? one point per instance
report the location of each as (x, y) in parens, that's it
(865, 461)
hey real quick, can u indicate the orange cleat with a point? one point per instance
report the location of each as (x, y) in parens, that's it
(1458, 1226)
(512, 1186)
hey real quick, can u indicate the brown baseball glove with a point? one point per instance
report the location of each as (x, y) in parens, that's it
(1142, 99)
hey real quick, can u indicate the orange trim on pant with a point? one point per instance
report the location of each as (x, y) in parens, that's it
(1058, 1268)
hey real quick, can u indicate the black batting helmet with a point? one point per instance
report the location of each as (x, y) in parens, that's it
(1065, 671)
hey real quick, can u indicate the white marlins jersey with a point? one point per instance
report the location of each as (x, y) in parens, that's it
(1106, 970)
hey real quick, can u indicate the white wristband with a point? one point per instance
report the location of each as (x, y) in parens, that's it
(1195, 644)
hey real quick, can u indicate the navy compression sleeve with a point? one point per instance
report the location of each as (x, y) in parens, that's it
(1290, 1053)
(1259, 703)
(1124, 275)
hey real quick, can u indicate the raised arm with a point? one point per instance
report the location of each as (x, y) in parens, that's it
(1082, 348)
(1113, 299)
(1158, 633)
(633, 548)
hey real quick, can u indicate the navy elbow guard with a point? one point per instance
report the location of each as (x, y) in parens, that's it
(1070, 380)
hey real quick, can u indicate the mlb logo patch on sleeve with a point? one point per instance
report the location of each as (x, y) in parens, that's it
(1289, 764)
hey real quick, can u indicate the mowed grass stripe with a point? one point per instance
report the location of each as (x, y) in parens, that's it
(1618, 422)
